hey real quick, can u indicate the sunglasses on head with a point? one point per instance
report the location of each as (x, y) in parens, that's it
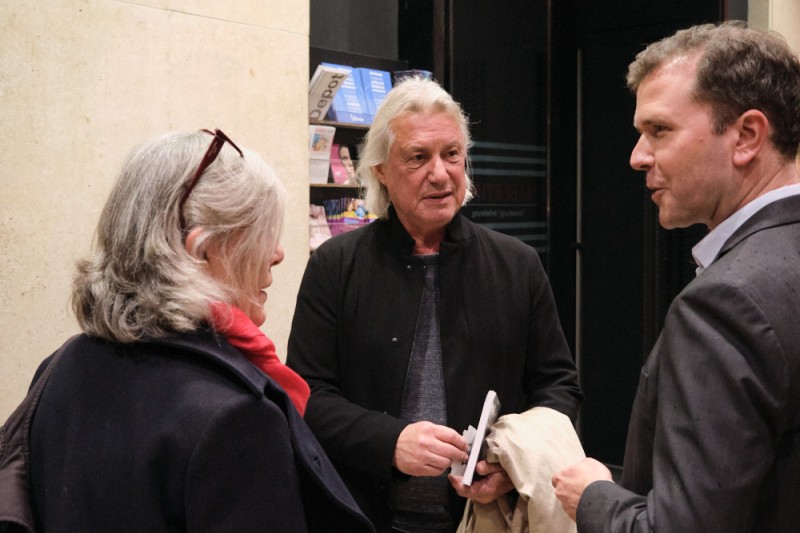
(210, 156)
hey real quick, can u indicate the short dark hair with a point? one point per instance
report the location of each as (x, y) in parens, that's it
(740, 68)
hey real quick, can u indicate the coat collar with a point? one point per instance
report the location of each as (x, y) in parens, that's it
(777, 213)
(458, 231)
(215, 348)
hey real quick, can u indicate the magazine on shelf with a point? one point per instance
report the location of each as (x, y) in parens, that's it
(320, 139)
(338, 171)
(318, 229)
(322, 88)
(349, 103)
(346, 214)
(475, 439)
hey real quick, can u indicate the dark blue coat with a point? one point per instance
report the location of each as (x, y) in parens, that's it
(179, 434)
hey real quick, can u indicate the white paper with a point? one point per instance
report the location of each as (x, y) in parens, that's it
(475, 437)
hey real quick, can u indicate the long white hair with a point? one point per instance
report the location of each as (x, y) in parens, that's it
(411, 95)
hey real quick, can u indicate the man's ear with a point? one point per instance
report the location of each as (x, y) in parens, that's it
(753, 129)
(378, 169)
(191, 238)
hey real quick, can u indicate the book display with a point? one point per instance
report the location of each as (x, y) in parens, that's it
(336, 216)
(320, 139)
(346, 106)
(346, 214)
(319, 231)
(322, 88)
(349, 103)
(375, 84)
(339, 173)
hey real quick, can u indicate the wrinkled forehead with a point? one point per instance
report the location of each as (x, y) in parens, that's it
(421, 126)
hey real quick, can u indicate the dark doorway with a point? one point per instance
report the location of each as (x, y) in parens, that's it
(630, 269)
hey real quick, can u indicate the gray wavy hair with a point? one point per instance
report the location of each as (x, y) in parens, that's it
(140, 281)
(411, 95)
(740, 68)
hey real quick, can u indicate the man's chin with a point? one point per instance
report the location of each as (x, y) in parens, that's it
(667, 222)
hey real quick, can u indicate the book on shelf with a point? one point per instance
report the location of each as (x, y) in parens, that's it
(322, 88)
(349, 103)
(318, 229)
(320, 139)
(375, 83)
(476, 439)
(338, 171)
(343, 169)
(346, 214)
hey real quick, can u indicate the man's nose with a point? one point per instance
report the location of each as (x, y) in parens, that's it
(642, 155)
(438, 170)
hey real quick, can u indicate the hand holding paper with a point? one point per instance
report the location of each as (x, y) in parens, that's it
(474, 438)
(427, 449)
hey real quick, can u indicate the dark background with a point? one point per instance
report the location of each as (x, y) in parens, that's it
(543, 82)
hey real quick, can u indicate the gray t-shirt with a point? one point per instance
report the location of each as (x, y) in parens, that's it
(420, 504)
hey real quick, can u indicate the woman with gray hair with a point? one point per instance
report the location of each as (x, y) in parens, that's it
(172, 411)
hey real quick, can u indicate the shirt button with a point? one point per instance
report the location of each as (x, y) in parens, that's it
(394, 340)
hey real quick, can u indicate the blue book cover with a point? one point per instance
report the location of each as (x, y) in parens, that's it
(376, 84)
(349, 104)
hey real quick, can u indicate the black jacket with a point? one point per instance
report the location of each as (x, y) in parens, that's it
(179, 434)
(354, 325)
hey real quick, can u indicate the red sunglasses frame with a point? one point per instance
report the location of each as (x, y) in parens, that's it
(210, 156)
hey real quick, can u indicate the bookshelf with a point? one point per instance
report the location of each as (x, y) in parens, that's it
(351, 135)
(347, 134)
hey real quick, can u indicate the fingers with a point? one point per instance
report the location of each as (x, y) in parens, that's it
(573, 480)
(484, 468)
(485, 489)
(450, 436)
(427, 449)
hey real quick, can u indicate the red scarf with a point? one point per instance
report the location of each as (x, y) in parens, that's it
(242, 333)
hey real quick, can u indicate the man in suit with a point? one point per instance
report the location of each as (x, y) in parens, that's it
(714, 437)
(402, 326)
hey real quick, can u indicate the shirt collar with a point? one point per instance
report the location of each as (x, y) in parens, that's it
(705, 252)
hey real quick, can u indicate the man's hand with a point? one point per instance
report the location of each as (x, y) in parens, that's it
(573, 480)
(493, 483)
(427, 449)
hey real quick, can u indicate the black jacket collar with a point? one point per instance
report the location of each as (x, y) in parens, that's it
(458, 231)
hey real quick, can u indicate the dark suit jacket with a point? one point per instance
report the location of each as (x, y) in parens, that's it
(714, 439)
(354, 327)
(179, 434)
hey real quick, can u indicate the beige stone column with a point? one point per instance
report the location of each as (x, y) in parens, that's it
(82, 82)
(782, 16)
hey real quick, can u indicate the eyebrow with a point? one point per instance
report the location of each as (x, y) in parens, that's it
(648, 122)
(426, 148)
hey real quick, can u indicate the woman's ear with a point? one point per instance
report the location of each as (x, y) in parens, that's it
(191, 239)
(753, 128)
